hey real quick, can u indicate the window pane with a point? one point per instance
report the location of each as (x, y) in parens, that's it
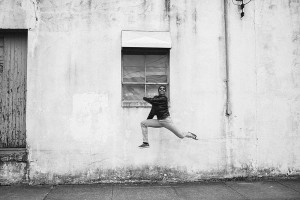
(133, 68)
(133, 74)
(152, 90)
(133, 92)
(156, 68)
(133, 60)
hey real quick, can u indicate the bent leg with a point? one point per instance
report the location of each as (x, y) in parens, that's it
(149, 123)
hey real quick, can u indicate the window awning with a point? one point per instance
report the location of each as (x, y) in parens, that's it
(146, 39)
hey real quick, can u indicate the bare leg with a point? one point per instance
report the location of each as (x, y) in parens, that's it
(149, 123)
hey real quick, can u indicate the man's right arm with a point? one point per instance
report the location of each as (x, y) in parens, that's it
(156, 100)
(147, 99)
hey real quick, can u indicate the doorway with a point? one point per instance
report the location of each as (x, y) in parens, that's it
(13, 68)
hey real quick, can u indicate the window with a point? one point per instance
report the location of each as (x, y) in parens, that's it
(143, 70)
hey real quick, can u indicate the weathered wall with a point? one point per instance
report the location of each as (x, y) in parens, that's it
(264, 87)
(77, 130)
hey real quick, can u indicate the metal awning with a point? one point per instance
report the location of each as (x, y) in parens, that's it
(153, 39)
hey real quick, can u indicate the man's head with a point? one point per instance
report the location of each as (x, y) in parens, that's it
(162, 90)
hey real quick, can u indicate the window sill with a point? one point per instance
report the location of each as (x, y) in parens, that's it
(135, 104)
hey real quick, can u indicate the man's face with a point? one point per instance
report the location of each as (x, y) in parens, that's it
(162, 90)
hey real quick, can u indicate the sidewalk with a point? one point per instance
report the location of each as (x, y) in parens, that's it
(231, 190)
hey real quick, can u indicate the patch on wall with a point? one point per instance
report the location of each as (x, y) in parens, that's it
(88, 116)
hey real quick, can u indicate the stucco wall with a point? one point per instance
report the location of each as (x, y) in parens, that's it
(264, 87)
(77, 130)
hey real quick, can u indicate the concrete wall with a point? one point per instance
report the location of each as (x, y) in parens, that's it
(77, 130)
(264, 87)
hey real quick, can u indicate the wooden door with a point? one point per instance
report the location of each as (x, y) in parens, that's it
(13, 60)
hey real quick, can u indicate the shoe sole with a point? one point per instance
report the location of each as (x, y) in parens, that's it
(194, 137)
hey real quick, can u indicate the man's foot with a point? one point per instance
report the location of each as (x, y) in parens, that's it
(193, 136)
(144, 145)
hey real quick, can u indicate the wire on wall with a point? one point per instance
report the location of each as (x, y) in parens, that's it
(239, 1)
(241, 4)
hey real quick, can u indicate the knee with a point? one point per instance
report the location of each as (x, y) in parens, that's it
(180, 135)
(143, 124)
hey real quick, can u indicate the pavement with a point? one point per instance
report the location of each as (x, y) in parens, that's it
(231, 190)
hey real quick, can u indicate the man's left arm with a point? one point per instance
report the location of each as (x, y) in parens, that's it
(151, 114)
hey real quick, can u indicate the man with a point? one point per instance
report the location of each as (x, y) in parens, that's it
(161, 110)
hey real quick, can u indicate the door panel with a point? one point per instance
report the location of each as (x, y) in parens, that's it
(13, 89)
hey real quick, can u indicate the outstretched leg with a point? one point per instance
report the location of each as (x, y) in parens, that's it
(149, 123)
(168, 124)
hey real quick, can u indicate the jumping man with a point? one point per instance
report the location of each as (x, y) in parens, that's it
(161, 110)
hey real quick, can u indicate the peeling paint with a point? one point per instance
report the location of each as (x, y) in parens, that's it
(12, 173)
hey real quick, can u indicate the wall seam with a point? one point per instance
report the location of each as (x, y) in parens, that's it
(256, 104)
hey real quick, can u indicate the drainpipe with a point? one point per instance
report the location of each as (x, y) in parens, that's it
(228, 108)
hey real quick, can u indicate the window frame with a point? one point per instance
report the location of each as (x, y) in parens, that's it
(143, 51)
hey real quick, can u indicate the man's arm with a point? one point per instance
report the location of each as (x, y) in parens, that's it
(156, 100)
(147, 99)
(151, 114)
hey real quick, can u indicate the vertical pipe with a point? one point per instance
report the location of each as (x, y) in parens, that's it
(228, 107)
(228, 134)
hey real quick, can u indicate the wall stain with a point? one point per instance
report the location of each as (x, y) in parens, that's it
(195, 21)
(19, 3)
(178, 20)
(36, 7)
(145, 7)
(90, 4)
(152, 174)
(272, 7)
(167, 8)
(293, 2)
(13, 173)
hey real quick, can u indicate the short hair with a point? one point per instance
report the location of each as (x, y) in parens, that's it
(162, 86)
